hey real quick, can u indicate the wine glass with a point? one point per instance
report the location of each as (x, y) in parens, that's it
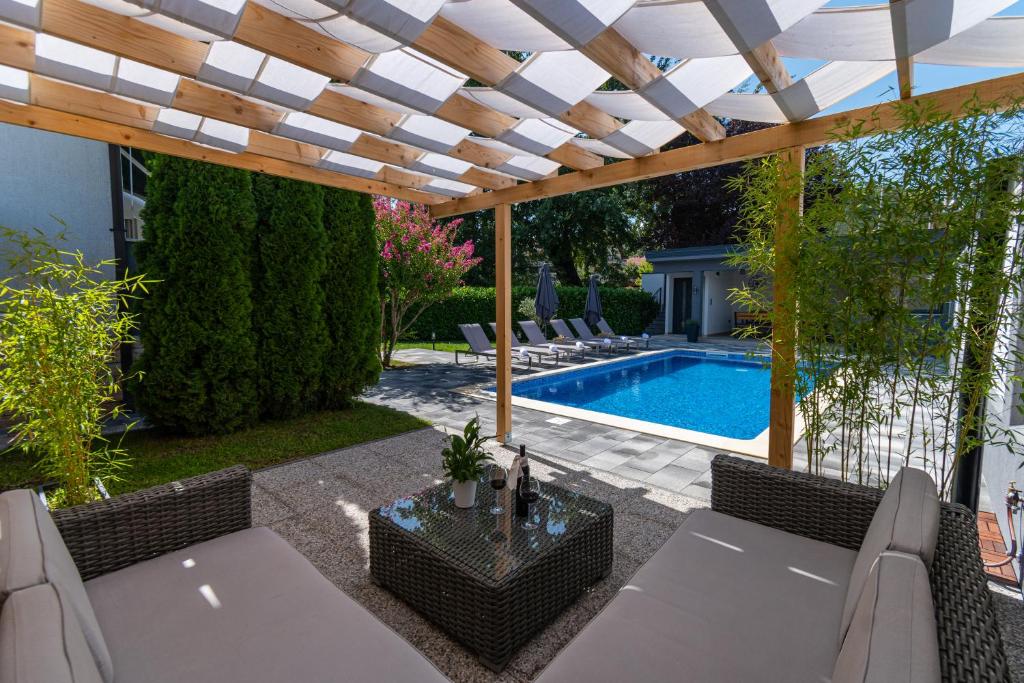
(530, 492)
(499, 479)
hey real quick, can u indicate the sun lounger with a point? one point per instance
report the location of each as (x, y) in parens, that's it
(583, 330)
(536, 337)
(562, 329)
(605, 328)
(540, 351)
(480, 346)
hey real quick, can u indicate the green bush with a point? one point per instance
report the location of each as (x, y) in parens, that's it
(628, 311)
(352, 302)
(288, 296)
(199, 360)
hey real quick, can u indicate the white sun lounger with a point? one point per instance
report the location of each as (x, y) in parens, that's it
(605, 328)
(480, 346)
(540, 351)
(536, 337)
(583, 330)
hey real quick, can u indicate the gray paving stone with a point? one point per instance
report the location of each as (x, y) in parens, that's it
(651, 460)
(606, 460)
(631, 472)
(674, 478)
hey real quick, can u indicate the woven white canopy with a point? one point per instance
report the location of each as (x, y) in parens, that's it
(380, 89)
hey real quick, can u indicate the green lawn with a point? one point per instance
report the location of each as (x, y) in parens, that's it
(159, 457)
(448, 346)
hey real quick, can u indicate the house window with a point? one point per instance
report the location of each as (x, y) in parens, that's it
(133, 230)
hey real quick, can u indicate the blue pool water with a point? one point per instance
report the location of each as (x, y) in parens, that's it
(725, 396)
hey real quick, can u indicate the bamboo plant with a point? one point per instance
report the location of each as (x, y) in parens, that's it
(909, 269)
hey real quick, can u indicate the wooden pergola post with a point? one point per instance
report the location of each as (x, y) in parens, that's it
(503, 296)
(783, 408)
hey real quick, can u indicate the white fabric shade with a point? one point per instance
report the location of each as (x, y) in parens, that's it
(14, 84)
(538, 136)
(501, 24)
(317, 131)
(350, 164)
(409, 78)
(428, 133)
(554, 81)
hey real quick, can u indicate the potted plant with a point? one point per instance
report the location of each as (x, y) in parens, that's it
(463, 462)
(692, 329)
(61, 322)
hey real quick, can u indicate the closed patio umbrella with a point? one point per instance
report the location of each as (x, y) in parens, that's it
(546, 301)
(593, 312)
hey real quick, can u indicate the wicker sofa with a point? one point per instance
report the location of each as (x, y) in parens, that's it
(755, 589)
(173, 584)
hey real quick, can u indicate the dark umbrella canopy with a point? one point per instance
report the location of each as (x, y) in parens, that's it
(546, 302)
(593, 312)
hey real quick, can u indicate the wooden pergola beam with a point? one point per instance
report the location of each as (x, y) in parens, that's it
(261, 29)
(617, 56)
(782, 406)
(450, 44)
(766, 63)
(17, 50)
(809, 133)
(40, 118)
(503, 318)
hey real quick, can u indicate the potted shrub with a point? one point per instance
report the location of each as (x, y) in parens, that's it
(61, 322)
(692, 329)
(463, 462)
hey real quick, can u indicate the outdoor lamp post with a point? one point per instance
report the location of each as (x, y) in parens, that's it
(433, 340)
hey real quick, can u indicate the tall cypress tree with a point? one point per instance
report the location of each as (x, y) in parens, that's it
(199, 356)
(352, 301)
(288, 298)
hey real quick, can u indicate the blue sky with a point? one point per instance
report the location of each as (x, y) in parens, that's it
(927, 77)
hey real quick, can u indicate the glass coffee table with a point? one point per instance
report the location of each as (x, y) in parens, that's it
(482, 578)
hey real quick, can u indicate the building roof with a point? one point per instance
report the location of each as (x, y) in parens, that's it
(716, 251)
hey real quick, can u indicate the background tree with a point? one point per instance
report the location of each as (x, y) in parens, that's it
(420, 265)
(478, 228)
(288, 295)
(199, 357)
(580, 233)
(351, 305)
(694, 208)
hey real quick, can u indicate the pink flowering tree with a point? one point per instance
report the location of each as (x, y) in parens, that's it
(420, 265)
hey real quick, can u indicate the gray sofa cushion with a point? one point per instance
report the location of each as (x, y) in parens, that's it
(907, 520)
(41, 640)
(34, 553)
(244, 607)
(892, 636)
(723, 600)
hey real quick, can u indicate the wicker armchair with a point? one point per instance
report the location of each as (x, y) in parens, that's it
(112, 534)
(970, 647)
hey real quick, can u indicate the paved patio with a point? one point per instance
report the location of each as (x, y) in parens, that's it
(447, 394)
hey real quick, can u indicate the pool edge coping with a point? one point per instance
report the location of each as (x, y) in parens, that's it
(757, 447)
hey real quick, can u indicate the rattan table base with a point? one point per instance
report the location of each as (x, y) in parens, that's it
(482, 578)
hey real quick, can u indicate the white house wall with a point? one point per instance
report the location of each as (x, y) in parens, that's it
(46, 178)
(718, 311)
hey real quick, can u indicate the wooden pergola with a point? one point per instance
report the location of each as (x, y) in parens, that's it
(372, 96)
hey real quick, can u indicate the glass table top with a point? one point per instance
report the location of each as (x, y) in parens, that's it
(492, 546)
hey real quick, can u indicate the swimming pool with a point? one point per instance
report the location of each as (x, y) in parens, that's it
(722, 395)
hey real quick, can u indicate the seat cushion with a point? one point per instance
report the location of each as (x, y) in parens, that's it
(32, 552)
(244, 607)
(41, 640)
(723, 600)
(892, 636)
(907, 520)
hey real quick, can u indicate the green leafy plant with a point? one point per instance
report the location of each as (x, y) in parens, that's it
(909, 270)
(464, 457)
(61, 321)
(289, 260)
(351, 298)
(199, 352)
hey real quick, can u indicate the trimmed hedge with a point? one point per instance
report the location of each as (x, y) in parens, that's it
(199, 355)
(628, 311)
(287, 296)
(352, 301)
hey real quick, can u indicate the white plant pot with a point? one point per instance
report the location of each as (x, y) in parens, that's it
(465, 493)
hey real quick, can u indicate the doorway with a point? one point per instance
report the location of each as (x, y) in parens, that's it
(682, 303)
